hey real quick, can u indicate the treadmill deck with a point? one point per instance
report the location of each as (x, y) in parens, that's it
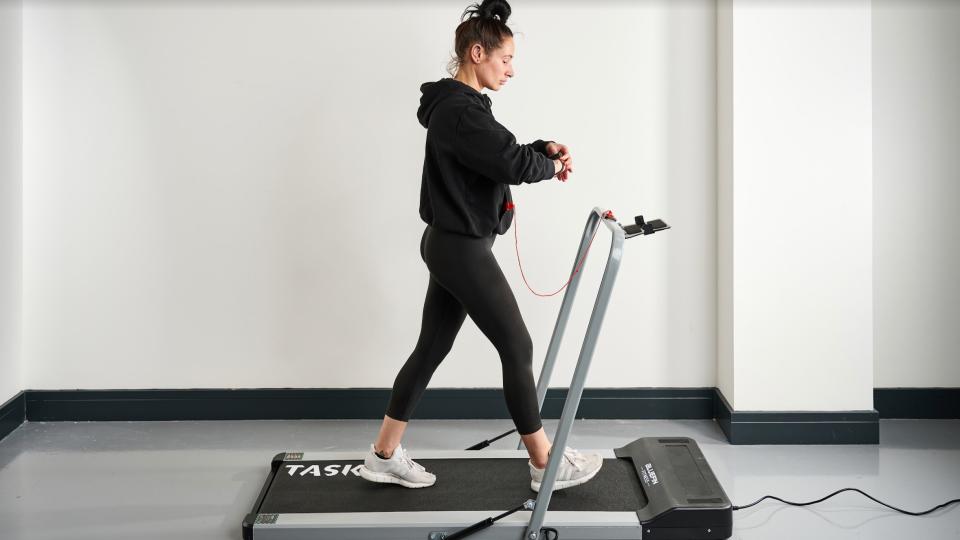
(493, 484)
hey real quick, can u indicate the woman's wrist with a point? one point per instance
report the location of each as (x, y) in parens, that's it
(561, 169)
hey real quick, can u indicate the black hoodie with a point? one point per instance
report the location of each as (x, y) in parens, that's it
(470, 160)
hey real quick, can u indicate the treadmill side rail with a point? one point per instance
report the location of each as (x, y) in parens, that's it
(426, 525)
(251, 519)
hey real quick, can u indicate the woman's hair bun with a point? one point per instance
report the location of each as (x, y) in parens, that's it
(494, 8)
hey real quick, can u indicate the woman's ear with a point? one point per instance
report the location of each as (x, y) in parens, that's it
(476, 53)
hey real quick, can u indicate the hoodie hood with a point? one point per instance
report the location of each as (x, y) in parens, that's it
(435, 92)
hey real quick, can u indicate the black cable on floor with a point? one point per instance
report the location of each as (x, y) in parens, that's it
(909, 513)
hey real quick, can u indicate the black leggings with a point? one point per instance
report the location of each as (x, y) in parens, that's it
(465, 279)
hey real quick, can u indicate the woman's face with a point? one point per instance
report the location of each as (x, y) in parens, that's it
(496, 68)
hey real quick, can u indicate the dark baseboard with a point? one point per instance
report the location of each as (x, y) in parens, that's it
(740, 427)
(352, 403)
(12, 414)
(938, 403)
(760, 427)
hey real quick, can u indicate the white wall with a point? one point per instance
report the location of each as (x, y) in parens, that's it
(198, 175)
(916, 126)
(10, 205)
(224, 194)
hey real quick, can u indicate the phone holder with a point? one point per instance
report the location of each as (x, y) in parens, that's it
(642, 227)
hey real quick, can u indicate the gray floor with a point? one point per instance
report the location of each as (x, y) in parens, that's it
(196, 480)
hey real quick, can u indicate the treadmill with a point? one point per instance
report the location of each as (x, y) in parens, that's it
(651, 488)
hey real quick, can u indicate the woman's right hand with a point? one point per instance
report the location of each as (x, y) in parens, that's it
(562, 164)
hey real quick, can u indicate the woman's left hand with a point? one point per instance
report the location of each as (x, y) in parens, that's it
(565, 158)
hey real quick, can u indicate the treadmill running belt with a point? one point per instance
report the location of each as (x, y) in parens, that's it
(462, 485)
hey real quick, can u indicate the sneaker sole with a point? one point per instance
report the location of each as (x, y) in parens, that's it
(563, 484)
(387, 478)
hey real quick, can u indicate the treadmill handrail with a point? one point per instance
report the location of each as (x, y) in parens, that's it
(596, 215)
(572, 401)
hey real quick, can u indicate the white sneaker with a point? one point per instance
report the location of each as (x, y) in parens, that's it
(399, 469)
(575, 469)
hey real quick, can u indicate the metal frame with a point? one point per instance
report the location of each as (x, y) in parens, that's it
(393, 525)
(572, 401)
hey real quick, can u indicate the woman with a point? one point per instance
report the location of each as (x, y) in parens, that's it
(465, 201)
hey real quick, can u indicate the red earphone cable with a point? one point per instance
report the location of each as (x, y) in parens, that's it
(516, 243)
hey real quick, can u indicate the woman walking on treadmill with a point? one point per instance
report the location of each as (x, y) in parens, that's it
(465, 201)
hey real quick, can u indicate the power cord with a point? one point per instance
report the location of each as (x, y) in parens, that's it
(909, 513)
(549, 533)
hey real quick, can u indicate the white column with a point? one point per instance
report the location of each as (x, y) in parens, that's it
(11, 148)
(795, 205)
